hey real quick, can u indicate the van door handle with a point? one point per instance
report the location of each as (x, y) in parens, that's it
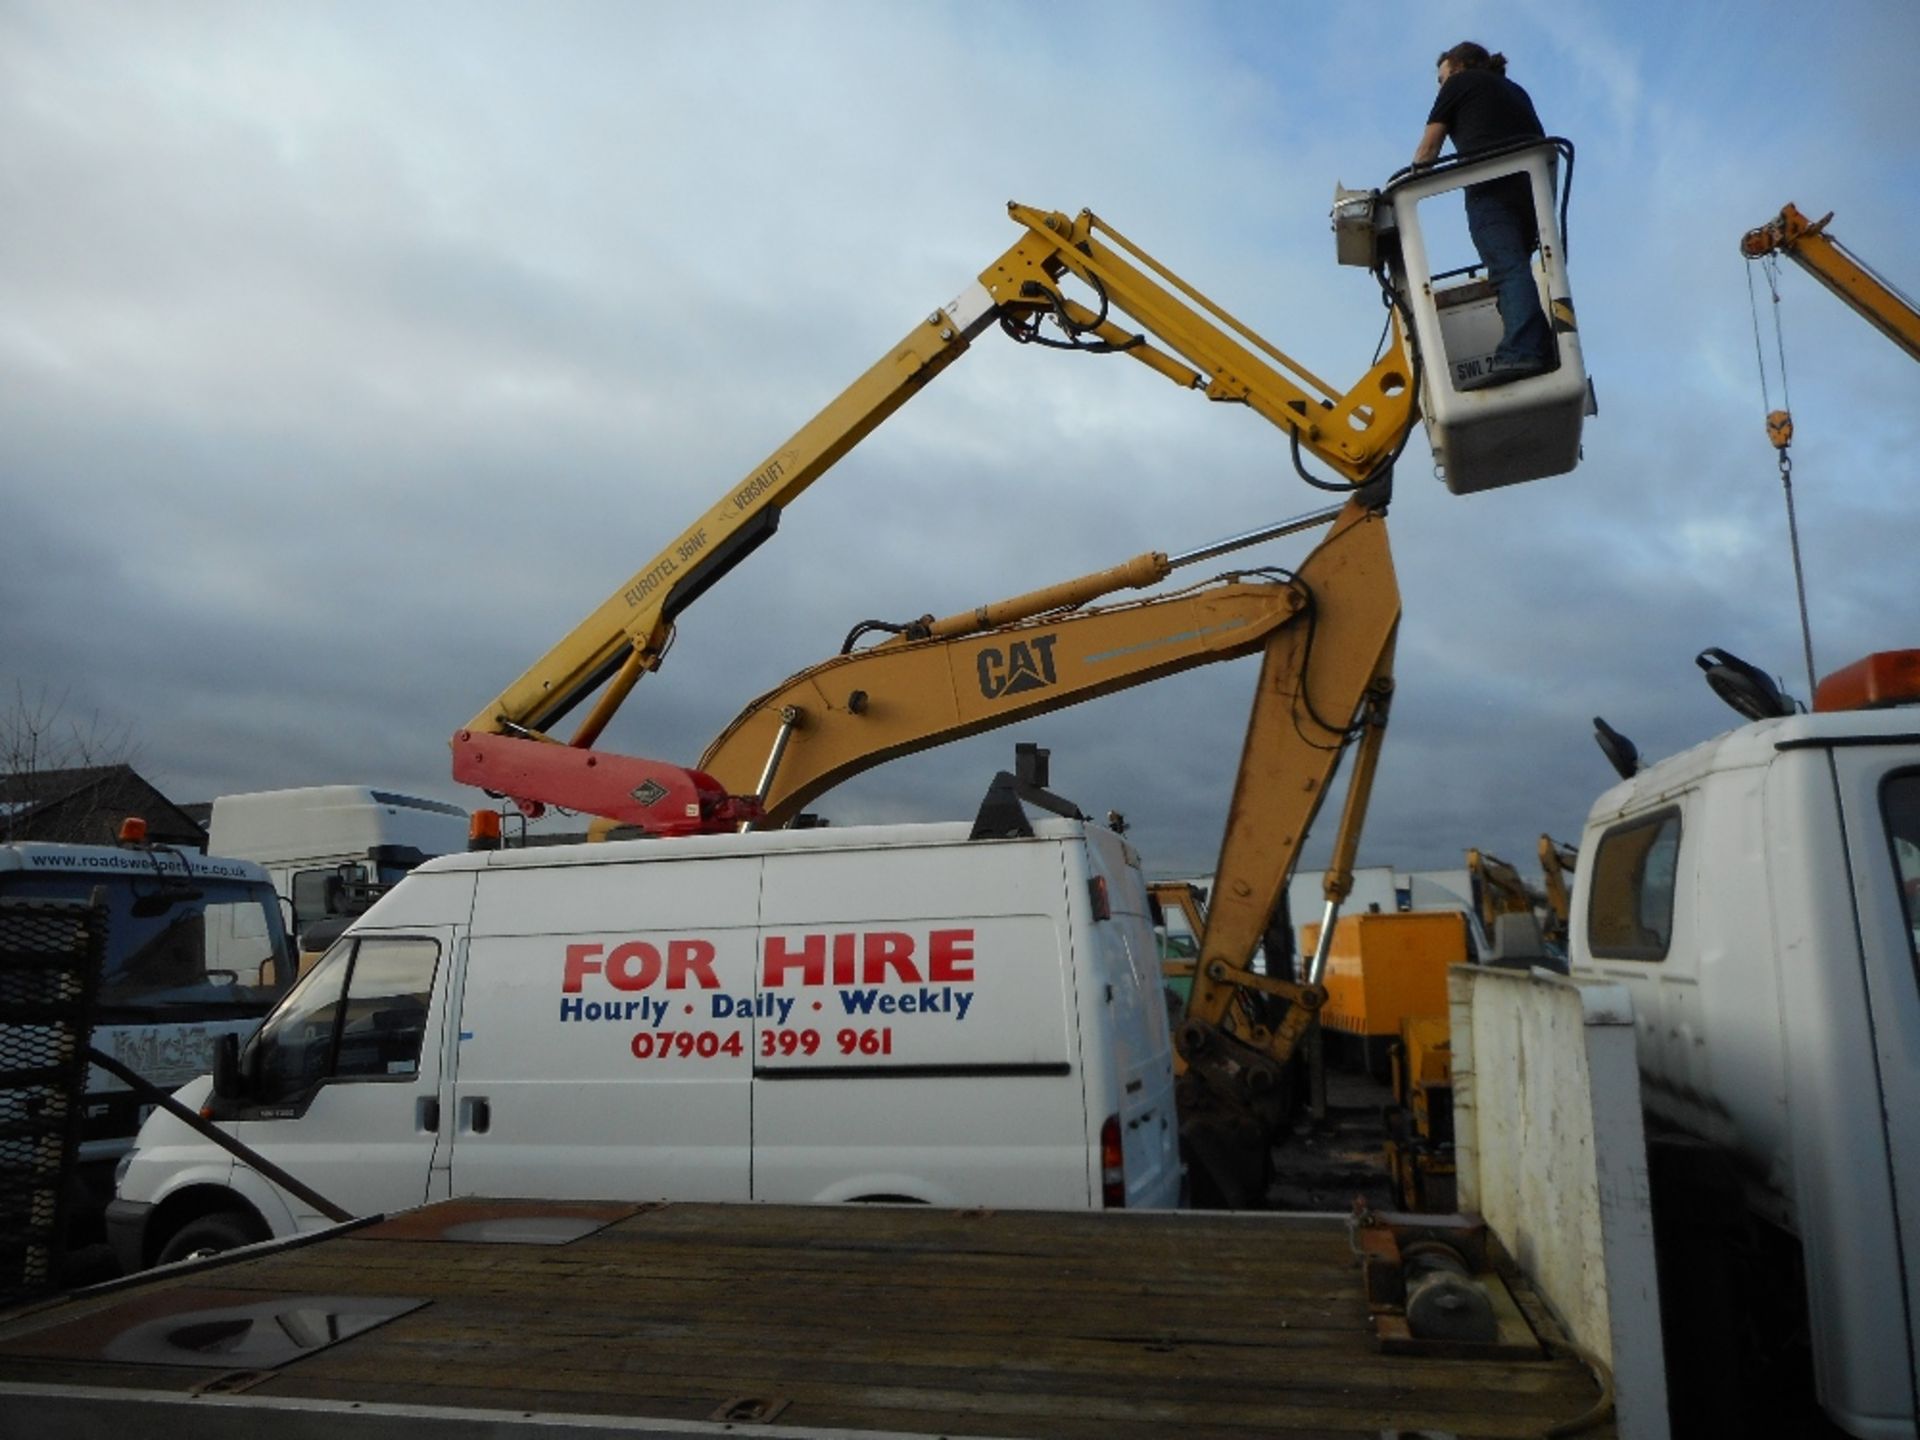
(426, 1114)
(475, 1115)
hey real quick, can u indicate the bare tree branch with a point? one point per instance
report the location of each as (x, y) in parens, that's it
(40, 733)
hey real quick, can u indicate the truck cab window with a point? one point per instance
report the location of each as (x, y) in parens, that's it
(1900, 806)
(1630, 910)
(360, 1014)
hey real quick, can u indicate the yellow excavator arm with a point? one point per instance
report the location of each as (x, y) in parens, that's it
(1557, 862)
(1187, 339)
(1326, 684)
(1498, 889)
(937, 681)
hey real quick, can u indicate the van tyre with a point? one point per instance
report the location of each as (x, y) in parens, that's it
(212, 1234)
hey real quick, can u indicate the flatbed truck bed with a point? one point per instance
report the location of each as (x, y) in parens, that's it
(703, 1319)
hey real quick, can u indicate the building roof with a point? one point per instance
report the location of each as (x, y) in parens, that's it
(84, 805)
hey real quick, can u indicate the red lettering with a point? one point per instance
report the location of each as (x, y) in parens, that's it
(811, 958)
(620, 966)
(885, 948)
(580, 964)
(949, 956)
(691, 957)
(843, 948)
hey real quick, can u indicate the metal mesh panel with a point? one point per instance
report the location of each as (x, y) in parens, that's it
(50, 956)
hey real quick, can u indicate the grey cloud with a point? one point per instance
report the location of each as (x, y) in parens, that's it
(350, 356)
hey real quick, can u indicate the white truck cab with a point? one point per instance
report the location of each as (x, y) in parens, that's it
(317, 840)
(1759, 895)
(891, 1013)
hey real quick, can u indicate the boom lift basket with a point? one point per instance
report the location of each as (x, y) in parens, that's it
(1492, 436)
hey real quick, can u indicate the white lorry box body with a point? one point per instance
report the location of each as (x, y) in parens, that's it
(895, 1013)
(302, 837)
(1758, 895)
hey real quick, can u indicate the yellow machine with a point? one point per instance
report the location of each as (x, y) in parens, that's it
(1179, 952)
(1420, 1121)
(1807, 243)
(1357, 434)
(937, 681)
(1557, 862)
(1498, 890)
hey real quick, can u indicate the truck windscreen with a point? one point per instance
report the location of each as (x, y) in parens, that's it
(207, 945)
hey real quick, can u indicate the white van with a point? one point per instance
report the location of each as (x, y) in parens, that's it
(889, 1013)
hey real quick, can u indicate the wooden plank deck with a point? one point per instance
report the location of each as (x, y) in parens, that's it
(859, 1318)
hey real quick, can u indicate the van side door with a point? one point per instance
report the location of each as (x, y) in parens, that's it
(604, 1044)
(345, 1074)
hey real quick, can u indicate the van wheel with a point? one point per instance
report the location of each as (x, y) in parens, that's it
(213, 1234)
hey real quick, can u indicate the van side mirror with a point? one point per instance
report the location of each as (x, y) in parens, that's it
(226, 1067)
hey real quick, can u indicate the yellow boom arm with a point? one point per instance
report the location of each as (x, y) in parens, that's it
(1807, 243)
(1194, 343)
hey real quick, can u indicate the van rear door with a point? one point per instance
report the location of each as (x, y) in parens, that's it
(605, 1048)
(1124, 964)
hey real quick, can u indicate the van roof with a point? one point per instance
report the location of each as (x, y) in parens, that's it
(754, 842)
(1751, 745)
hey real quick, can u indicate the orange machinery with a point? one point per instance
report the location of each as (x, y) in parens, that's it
(1385, 969)
(1387, 987)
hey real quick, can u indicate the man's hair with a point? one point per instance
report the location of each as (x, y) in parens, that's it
(1469, 56)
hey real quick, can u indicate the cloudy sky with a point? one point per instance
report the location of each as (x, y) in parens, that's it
(350, 353)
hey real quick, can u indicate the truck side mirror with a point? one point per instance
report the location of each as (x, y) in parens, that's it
(226, 1067)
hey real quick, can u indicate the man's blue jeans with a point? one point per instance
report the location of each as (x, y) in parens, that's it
(1500, 220)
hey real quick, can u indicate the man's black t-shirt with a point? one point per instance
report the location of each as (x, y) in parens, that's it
(1480, 109)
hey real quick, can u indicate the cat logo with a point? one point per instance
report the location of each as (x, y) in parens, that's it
(1026, 665)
